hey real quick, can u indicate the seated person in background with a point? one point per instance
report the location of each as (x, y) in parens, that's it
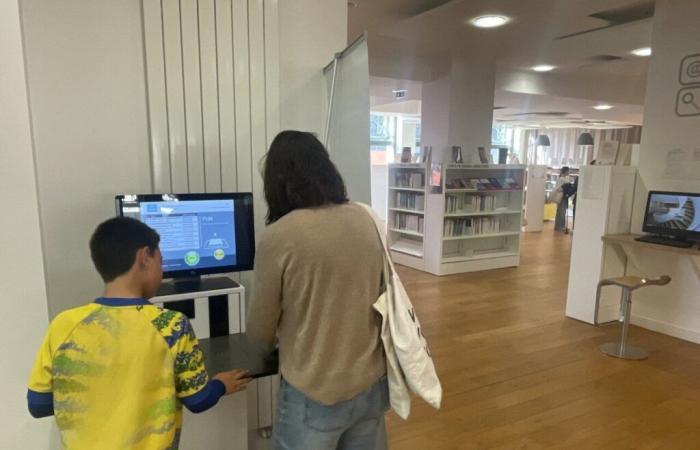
(117, 371)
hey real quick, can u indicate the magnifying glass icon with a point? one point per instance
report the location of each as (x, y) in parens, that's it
(689, 99)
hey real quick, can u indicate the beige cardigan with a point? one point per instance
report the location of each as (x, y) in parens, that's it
(317, 274)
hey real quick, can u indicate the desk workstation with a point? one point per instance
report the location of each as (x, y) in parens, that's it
(634, 250)
(604, 248)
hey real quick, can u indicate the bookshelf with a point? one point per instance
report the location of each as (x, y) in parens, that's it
(406, 213)
(475, 223)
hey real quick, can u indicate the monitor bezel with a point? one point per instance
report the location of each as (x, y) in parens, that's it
(661, 231)
(235, 196)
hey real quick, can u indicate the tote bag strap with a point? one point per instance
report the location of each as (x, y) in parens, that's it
(382, 236)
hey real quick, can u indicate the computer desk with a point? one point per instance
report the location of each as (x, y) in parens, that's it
(624, 244)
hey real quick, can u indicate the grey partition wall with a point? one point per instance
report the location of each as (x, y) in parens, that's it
(347, 126)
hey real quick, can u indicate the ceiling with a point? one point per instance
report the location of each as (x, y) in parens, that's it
(415, 39)
(528, 110)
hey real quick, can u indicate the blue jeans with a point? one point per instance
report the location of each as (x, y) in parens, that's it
(356, 424)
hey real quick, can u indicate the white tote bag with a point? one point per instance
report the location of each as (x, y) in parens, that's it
(407, 346)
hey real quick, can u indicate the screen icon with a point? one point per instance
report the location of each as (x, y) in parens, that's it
(690, 70)
(688, 102)
(192, 258)
(219, 254)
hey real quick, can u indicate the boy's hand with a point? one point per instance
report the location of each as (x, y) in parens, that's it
(235, 380)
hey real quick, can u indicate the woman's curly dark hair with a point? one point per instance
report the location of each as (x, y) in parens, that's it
(299, 173)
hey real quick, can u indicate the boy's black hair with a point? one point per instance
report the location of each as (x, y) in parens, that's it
(114, 244)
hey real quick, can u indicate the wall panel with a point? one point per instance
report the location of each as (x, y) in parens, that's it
(210, 95)
(212, 73)
(174, 89)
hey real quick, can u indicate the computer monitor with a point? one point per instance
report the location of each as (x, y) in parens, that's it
(674, 214)
(199, 233)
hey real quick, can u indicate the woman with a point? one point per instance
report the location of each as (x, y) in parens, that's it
(561, 198)
(318, 270)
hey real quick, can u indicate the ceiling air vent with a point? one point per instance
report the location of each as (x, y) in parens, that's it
(600, 59)
(604, 58)
(543, 113)
(619, 16)
(418, 7)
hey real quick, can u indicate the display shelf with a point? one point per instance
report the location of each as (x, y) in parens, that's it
(486, 200)
(408, 232)
(461, 258)
(396, 188)
(457, 191)
(409, 211)
(483, 213)
(480, 236)
(408, 248)
(406, 207)
(415, 166)
(472, 199)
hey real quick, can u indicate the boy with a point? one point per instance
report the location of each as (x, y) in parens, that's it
(116, 372)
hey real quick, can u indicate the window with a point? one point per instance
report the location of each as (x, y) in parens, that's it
(389, 133)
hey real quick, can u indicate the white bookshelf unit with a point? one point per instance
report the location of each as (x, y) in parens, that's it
(406, 213)
(475, 223)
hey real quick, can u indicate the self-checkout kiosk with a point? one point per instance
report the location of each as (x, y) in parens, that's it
(205, 238)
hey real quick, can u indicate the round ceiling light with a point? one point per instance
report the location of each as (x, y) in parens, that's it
(543, 68)
(644, 51)
(603, 107)
(489, 21)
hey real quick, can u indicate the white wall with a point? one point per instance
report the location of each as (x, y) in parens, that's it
(311, 32)
(99, 130)
(25, 314)
(674, 309)
(178, 97)
(435, 116)
(471, 105)
(87, 88)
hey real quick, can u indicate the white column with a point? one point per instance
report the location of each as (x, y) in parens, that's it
(25, 314)
(675, 308)
(457, 109)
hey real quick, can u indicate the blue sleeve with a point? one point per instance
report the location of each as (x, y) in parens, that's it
(40, 403)
(205, 398)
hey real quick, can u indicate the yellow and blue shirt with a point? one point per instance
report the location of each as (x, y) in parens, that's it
(116, 372)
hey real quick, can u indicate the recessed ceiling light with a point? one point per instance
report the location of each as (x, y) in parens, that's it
(490, 21)
(603, 107)
(543, 68)
(644, 51)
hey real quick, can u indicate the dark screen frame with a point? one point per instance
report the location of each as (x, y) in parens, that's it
(694, 235)
(243, 218)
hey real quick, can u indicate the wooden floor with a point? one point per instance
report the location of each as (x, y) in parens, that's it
(517, 374)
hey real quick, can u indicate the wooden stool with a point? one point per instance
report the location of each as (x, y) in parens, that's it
(628, 284)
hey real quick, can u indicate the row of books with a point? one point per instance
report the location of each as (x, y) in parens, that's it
(409, 200)
(409, 179)
(472, 203)
(483, 184)
(408, 222)
(474, 226)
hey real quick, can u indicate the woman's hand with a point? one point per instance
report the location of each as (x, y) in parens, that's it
(235, 380)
